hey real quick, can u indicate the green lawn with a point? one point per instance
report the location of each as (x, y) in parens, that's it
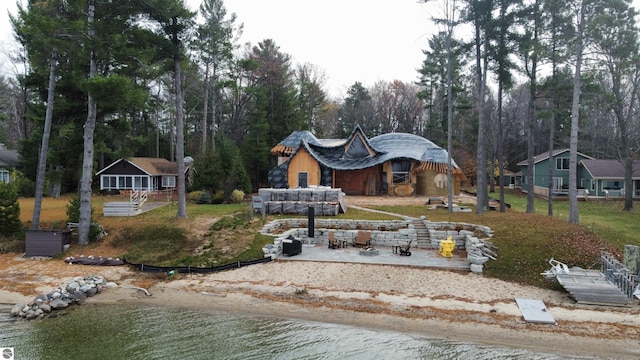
(605, 218)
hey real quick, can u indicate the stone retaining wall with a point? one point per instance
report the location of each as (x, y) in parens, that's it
(324, 200)
(479, 250)
(277, 226)
(441, 230)
(384, 233)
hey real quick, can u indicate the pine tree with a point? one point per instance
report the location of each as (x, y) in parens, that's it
(9, 210)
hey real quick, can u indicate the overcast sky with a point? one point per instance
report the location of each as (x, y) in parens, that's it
(350, 40)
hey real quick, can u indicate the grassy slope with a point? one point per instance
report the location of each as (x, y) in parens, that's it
(525, 241)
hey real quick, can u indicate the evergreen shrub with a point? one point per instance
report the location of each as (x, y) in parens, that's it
(10, 223)
(237, 196)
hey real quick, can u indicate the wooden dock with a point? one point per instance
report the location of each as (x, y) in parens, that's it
(592, 287)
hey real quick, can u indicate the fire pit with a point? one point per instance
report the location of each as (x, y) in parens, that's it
(369, 251)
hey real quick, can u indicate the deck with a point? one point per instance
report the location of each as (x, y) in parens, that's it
(125, 208)
(592, 287)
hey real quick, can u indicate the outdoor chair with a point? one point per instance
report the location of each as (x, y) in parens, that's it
(333, 243)
(363, 239)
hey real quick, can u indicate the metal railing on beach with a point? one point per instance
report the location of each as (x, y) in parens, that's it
(618, 274)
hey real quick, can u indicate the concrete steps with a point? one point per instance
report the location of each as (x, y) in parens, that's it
(422, 233)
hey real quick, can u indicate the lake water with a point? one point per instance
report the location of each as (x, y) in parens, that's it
(151, 332)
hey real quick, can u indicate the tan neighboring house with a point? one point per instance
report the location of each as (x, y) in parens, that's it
(139, 173)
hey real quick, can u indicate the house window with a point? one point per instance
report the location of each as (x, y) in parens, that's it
(562, 164)
(401, 171)
(4, 176)
(168, 181)
(401, 177)
(109, 182)
(612, 185)
(593, 186)
(140, 182)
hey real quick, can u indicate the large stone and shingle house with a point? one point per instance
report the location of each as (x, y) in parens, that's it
(394, 164)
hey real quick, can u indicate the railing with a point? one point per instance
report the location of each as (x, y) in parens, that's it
(618, 274)
(137, 198)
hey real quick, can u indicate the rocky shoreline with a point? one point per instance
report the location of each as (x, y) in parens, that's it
(74, 292)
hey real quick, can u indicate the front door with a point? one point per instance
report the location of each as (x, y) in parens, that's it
(303, 179)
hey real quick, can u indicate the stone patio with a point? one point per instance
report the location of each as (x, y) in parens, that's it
(426, 258)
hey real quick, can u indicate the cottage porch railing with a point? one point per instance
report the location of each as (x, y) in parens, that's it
(137, 198)
(618, 274)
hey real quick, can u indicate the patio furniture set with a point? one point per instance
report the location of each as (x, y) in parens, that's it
(363, 240)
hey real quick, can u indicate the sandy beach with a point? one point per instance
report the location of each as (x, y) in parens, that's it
(444, 304)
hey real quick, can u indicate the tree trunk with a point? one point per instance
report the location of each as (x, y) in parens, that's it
(575, 118)
(500, 151)
(214, 105)
(172, 136)
(87, 159)
(531, 125)
(55, 183)
(481, 158)
(450, 16)
(628, 183)
(44, 147)
(552, 121)
(205, 109)
(182, 198)
(551, 162)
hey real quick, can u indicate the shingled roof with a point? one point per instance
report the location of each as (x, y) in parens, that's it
(151, 166)
(608, 169)
(338, 155)
(8, 158)
(292, 142)
(155, 166)
(545, 155)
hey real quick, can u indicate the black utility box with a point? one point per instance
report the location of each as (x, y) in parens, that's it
(291, 246)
